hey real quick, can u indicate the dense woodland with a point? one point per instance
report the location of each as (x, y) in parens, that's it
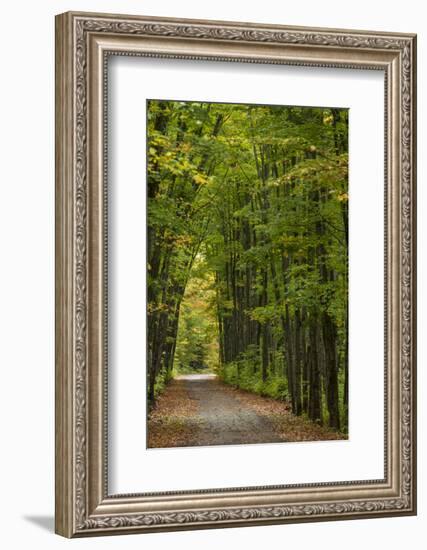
(248, 250)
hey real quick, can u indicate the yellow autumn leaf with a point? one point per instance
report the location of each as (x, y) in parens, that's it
(200, 179)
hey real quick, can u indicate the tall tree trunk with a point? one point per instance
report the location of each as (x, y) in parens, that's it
(314, 409)
(329, 339)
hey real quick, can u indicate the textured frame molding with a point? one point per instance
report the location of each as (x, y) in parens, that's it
(83, 43)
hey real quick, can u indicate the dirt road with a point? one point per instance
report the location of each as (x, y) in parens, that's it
(224, 419)
(200, 410)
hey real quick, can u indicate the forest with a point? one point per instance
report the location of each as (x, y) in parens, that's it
(247, 251)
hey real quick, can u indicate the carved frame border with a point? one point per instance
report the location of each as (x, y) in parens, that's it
(83, 43)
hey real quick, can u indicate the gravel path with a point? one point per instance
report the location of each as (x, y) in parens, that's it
(224, 419)
(200, 410)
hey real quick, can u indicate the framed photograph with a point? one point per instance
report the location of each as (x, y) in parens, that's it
(235, 274)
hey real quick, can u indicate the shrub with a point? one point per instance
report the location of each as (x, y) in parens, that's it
(162, 380)
(244, 374)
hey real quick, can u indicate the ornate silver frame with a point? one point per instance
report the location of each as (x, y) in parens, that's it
(83, 42)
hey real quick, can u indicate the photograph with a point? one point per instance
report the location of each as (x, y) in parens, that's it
(247, 273)
(235, 271)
